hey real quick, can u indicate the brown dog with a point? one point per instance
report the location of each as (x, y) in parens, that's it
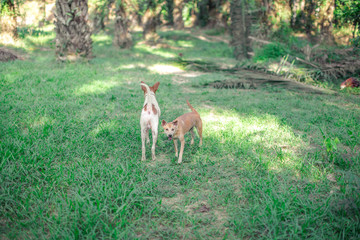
(181, 125)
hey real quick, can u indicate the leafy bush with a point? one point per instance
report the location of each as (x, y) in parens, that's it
(31, 31)
(283, 32)
(270, 51)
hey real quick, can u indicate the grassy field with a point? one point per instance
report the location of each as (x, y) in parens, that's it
(275, 163)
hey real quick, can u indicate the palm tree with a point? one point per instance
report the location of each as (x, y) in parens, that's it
(240, 28)
(122, 37)
(73, 35)
(150, 20)
(177, 14)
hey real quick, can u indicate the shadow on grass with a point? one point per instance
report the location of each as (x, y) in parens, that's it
(71, 165)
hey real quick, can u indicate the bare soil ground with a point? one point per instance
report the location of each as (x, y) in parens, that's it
(8, 55)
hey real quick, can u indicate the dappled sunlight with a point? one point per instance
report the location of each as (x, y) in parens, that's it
(41, 40)
(41, 121)
(264, 135)
(165, 69)
(7, 39)
(342, 104)
(104, 128)
(101, 38)
(186, 44)
(132, 66)
(96, 87)
(155, 51)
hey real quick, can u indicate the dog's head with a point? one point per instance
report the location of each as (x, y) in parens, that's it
(153, 89)
(170, 128)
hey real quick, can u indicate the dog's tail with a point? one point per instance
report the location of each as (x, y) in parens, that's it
(147, 94)
(191, 107)
(146, 86)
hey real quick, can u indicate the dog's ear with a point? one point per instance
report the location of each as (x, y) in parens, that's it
(155, 87)
(175, 122)
(142, 87)
(163, 122)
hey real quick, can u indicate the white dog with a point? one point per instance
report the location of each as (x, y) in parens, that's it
(149, 118)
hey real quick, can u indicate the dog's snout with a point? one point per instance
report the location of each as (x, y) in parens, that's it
(170, 135)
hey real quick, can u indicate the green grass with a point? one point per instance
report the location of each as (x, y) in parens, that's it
(70, 151)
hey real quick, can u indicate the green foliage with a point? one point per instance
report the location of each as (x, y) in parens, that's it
(270, 51)
(5, 8)
(30, 31)
(348, 12)
(189, 7)
(167, 10)
(283, 32)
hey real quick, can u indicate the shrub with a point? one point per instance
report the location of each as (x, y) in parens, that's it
(270, 51)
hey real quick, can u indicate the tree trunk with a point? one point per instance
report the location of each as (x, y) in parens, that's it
(292, 5)
(240, 28)
(177, 14)
(98, 21)
(225, 14)
(73, 35)
(309, 17)
(101, 15)
(150, 22)
(202, 17)
(215, 16)
(8, 24)
(326, 18)
(122, 37)
(263, 15)
(170, 12)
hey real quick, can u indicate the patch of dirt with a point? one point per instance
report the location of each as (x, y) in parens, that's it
(202, 207)
(250, 80)
(7, 55)
(184, 77)
(208, 38)
(160, 158)
(174, 201)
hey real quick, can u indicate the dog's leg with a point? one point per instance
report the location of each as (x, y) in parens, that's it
(143, 136)
(182, 141)
(199, 130)
(192, 136)
(154, 137)
(175, 145)
(147, 136)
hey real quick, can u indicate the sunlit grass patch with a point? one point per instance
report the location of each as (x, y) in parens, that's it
(264, 135)
(41, 121)
(158, 52)
(101, 39)
(96, 87)
(165, 69)
(39, 41)
(186, 44)
(104, 128)
(132, 66)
